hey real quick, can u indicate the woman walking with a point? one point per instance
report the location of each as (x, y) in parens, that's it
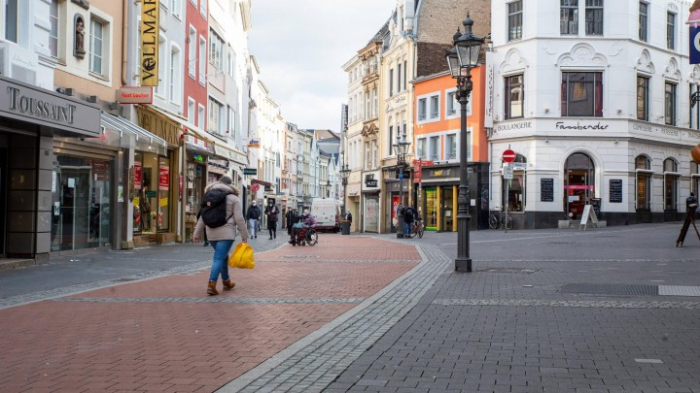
(222, 213)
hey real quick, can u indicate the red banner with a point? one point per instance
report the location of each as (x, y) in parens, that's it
(417, 174)
(137, 175)
(394, 205)
(164, 178)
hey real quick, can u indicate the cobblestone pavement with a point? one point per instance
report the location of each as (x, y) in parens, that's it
(162, 333)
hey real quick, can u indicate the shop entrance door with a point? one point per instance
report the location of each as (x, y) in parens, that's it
(579, 184)
(448, 211)
(73, 226)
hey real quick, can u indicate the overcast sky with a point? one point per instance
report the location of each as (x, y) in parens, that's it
(301, 46)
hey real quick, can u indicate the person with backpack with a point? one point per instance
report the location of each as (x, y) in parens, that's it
(253, 215)
(272, 212)
(409, 215)
(221, 214)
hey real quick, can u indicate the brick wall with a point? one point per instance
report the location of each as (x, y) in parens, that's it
(438, 19)
(431, 58)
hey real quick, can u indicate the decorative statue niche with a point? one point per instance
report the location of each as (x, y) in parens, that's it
(79, 46)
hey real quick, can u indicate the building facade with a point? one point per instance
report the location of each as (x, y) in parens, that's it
(588, 125)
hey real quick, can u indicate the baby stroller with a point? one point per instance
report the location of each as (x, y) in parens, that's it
(306, 235)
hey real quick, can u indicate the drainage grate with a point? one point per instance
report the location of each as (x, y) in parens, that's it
(678, 290)
(610, 289)
(507, 270)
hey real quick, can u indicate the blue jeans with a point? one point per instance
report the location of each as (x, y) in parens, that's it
(253, 223)
(407, 228)
(220, 263)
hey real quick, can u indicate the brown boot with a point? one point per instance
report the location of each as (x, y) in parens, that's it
(228, 285)
(211, 288)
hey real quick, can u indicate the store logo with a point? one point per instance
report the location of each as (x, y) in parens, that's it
(149, 42)
(39, 108)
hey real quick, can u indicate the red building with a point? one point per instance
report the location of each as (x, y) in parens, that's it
(196, 59)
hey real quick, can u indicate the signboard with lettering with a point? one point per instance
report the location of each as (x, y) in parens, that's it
(135, 95)
(150, 31)
(254, 143)
(137, 175)
(615, 191)
(250, 171)
(32, 104)
(547, 190)
(164, 178)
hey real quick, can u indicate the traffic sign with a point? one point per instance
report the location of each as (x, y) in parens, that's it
(509, 156)
(255, 187)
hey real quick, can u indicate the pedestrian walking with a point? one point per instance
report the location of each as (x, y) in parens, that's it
(409, 215)
(253, 216)
(221, 215)
(289, 217)
(691, 201)
(272, 212)
(348, 217)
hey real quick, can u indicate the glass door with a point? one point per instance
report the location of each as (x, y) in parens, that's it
(431, 209)
(448, 212)
(74, 206)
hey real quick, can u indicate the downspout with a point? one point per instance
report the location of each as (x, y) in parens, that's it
(125, 39)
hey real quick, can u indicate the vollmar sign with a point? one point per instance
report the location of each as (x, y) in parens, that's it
(149, 42)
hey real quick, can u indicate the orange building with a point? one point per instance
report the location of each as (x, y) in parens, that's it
(437, 129)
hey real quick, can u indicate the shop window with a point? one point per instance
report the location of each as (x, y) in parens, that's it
(81, 203)
(152, 186)
(671, 180)
(582, 94)
(643, 167)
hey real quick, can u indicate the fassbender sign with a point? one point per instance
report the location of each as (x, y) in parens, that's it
(149, 42)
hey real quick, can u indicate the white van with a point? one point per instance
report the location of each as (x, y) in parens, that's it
(327, 213)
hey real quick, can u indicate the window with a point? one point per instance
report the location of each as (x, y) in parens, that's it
(582, 94)
(177, 8)
(391, 82)
(515, 20)
(202, 60)
(671, 30)
(203, 8)
(643, 21)
(97, 30)
(694, 90)
(216, 117)
(421, 148)
(192, 55)
(398, 76)
(201, 117)
(367, 114)
(642, 164)
(367, 156)
(175, 72)
(514, 96)
(194, 3)
(53, 33)
(391, 140)
(162, 56)
(375, 106)
(451, 104)
(642, 98)
(405, 71)
(11, 19)
(422, 108)
(569, 17)
(216, 49)
(434, 107)
(594, 17)
(670, 184)
(670, 104)
(375, 154)
(191, 111)
(694, 178)
(434, 148)
(451, 147)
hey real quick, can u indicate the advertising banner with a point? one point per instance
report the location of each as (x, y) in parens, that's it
(164, 178)
(150, 29)
(137, 175)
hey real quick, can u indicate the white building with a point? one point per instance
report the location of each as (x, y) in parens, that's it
(591, 96)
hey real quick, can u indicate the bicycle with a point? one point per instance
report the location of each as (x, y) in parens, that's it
(497, 218)
(418, 229)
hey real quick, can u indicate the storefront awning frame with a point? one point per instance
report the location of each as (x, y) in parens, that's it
(144, 140)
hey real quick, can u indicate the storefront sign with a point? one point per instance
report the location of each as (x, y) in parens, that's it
(150, 31)
(35, 105)
(254, 143)
(164, 178)
(514, 126)
(198, 157)
(250, 171)
(547, 190)
(615, 191)
(371, 182)
(135, 95)
(137, 175)
(561, 125)
(159, 125)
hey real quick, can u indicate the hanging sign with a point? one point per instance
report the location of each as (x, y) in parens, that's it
(695, 45)
(150, 30)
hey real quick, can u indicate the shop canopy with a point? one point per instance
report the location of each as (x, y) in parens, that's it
(130, 134)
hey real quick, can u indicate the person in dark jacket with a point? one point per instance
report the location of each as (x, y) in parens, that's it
(253, 215)
(288, 220)
(272, 212)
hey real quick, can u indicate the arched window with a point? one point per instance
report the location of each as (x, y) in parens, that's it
(671, 180)
(643, 169)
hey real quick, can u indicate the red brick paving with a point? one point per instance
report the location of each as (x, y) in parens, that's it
(190, 347)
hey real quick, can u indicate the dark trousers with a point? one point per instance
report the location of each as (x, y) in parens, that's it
(272, 227)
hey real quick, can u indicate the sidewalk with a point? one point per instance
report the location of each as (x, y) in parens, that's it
(164, 334)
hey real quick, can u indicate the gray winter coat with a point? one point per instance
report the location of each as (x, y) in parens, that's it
(234, 209)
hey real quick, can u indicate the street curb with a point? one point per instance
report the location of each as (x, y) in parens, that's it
(263, 368)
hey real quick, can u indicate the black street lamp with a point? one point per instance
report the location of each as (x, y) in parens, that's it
(344, 174)
(461, 59)
(401, 147)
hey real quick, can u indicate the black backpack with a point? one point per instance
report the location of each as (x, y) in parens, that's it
(214, 208)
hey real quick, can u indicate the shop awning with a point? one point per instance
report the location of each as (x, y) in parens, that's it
(230, 153)
(143, 140)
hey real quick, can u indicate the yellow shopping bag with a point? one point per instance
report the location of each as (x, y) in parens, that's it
(242, 257)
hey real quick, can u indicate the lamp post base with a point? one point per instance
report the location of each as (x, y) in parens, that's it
(463, 264)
